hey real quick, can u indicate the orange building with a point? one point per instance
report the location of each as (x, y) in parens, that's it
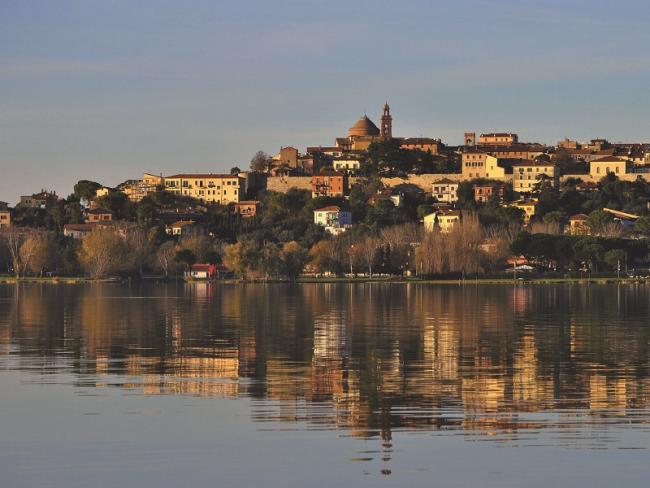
(330, 184)
(247, 208)
(98, 214)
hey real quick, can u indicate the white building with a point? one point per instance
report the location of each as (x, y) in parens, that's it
(347, 165)
(333, 219)
(445, 190)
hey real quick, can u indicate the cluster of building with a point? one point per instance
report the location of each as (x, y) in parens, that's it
(499, 157)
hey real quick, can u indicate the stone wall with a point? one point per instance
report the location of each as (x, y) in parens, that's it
(595, 179)
(425, 182)
(283, 184)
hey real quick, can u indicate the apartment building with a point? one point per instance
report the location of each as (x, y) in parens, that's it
(208, 187)
(526, 174)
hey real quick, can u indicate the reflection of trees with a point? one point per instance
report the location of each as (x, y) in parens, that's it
(366, 358)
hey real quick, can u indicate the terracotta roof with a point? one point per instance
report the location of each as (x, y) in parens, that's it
(444, 181)
(99, 211)
(182, 223)
(202, 175)
(498, 134)
(79, 227)
(420, 140)
(609, 159)
(202, 267)
(531, 162)
(578, 217)
(364, 127)
(317, 149)
(331, 208)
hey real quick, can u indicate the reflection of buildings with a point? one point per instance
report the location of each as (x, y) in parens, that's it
(365, 358)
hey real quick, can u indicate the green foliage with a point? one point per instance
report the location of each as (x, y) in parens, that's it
(86, 189)
(186, 257)
(578, 252)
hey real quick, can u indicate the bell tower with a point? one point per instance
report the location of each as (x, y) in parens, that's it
(386, 123)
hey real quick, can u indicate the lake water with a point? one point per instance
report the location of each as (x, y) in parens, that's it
(108, 385)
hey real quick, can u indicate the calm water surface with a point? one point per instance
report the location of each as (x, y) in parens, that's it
(324, 385)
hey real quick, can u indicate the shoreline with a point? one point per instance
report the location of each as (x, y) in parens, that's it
(342, 280)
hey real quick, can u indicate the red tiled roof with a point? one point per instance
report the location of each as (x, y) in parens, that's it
(331, 208)
(202, 175)
(99, 211)
(182, 223)
(609, 159)
(79, 227)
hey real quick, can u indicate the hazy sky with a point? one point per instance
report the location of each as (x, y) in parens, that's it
(106, 90)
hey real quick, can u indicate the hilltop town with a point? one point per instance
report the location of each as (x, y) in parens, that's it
(370, 203)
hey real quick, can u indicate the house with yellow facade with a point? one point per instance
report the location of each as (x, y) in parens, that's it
(578, 225)
(5, 215)
(207, 187)
(529, 207)
(609, 164)
(443, 220)
(526, 174)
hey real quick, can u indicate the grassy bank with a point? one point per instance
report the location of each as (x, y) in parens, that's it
(361, 279)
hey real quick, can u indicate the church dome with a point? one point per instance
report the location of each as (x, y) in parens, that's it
(363, 127)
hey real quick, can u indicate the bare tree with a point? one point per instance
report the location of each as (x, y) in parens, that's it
(103, 251)
(139, 247)
(367, 251)
(165, 257)
(14, 238)
(37, 252)
(261, 162)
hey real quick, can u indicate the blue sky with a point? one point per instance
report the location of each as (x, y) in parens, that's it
(106, 90)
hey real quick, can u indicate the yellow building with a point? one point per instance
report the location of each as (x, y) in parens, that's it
(529, 207)
(443, 220)
(102, 192)
(5, 215)
(609, 164)
(578, 225)
(526, 174)
(493, 168)
(498, 138)
(473, 164)
(209, 187)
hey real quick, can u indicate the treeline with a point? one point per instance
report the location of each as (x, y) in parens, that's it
(563, 252)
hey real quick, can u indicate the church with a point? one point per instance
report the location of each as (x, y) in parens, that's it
(364, 132)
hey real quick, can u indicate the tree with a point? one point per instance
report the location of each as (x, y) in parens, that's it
(367, 251)
(199, 245)
(103, 252)
(293, 259)
(37, 252)
(642, 226)
(14, 238)
(261, 162)
(598, 221)
(326, 256)
(235, 170)
(233, 259)
(185, 257)
(165, 257)
(139, 247)
(614, 258)
(86, 189)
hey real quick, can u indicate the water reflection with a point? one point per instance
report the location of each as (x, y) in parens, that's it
(527, 365)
